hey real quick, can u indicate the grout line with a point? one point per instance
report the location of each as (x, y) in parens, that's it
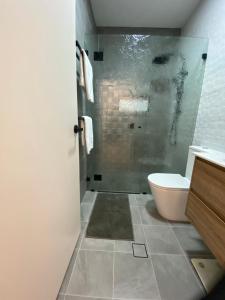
(107, 251)
(86, 296)
(97, 250)
(182, 250)
(166, 254)
(179, 225)
(135, 299)
(113, 274)
(146, 242)
(139, 214)
(189, 263)
(150, 258)
(96, 297)
(156, 225)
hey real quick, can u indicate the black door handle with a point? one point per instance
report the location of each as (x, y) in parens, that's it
(77, 129)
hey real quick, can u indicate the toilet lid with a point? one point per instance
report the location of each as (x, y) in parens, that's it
(173, 181)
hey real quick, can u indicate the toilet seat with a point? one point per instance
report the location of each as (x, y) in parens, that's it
(169, 181)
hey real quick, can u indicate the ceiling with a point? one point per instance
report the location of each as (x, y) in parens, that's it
(143, 13)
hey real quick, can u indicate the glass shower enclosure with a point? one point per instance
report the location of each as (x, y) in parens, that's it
(147, 92)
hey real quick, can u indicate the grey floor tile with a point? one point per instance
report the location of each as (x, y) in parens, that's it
(60, 297)
(67, 297)
(176, 279)
(142, 199)
(85, 210)
(89, 197)
(135, 215)
(92, 275)
(126, 246)
(132, 199)
(68, 273)
(191, 241)
(150, 215)
(98, 244)
(134, 278)
(162, 240)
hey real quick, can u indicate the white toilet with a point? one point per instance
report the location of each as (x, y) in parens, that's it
(170, 191)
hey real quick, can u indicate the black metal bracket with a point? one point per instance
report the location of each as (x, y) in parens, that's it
(204, 56)
(98, 177)
(80, 50)
(77, 129)
(98, 56)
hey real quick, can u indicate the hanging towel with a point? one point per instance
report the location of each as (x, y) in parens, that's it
(88, 133)
(86, 75)
(82, 80)
(82, 125)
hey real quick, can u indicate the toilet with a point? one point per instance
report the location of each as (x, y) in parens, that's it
(170, 191)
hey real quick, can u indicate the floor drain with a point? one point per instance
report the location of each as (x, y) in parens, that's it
(139, 250)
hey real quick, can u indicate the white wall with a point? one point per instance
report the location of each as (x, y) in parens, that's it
(209, 21)
(39, 175)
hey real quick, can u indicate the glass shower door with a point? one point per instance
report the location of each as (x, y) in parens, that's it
(147, 92)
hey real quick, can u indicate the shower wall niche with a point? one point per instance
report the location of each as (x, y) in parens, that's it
(147, 92)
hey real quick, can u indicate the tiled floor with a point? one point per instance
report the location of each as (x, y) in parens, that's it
(107, 269)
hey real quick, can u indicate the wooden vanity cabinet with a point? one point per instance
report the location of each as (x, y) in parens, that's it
(206, 205)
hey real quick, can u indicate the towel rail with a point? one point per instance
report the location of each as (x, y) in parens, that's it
(80, 50)
(78, 45)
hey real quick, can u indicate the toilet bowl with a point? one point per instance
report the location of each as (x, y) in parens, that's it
(170, 191)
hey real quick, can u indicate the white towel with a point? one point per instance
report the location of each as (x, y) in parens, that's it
(88, 133)
(86, 75)
(82, 80)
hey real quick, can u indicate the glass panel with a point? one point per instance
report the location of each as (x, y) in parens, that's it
(147, 93)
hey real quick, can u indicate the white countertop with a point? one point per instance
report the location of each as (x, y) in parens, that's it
(213, 156)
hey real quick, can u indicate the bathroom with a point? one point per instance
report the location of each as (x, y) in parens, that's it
(112, 150)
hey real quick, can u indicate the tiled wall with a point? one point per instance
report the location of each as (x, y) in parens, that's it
(85, 34)
(209, 21)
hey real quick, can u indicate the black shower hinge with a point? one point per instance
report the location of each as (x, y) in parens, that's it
(98, 56)
(204, 56)
(97, 177)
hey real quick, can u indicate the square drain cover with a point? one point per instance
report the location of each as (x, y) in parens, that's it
(139, 250)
